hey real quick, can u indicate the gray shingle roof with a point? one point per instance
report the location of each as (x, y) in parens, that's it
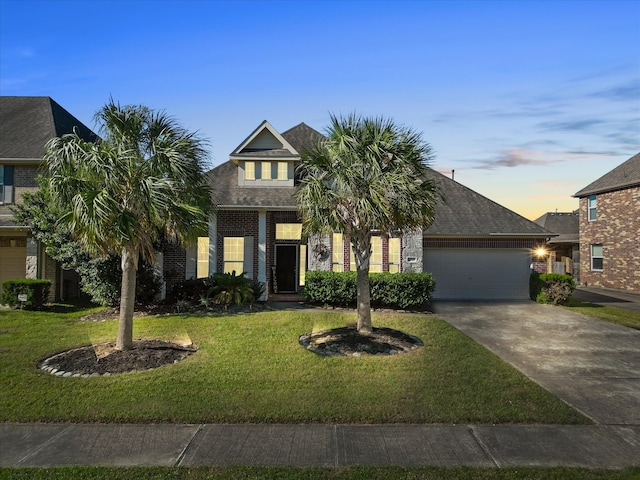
(565, 224)
(28, 123)
(463, 212)
(302, 137)
(224, 181)
(623, 176)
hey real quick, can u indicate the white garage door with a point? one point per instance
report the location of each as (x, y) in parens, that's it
(13, 262)
(479, 273)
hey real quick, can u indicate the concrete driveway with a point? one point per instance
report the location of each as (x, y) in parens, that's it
(592, 365)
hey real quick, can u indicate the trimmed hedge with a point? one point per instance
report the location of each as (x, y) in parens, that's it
(395, 290)
(551, 288)
(37, 292)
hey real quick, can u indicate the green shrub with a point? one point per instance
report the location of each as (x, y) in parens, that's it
(396, 290)
(191, 290)
(330, 288)
(219, 289)
(551, 288)
(401, 290)
(37, 292)
(231, 289)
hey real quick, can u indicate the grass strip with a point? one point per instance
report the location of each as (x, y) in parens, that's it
(620, 316)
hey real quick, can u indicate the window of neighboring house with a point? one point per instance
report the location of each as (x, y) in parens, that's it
(394, 255)
(6, 184)
(592, 204)
(233, 255)
(202, 269)
(597, 257)
(249, 170)
(283, 171)
(337, 253)
(288, 231)
(266, 171)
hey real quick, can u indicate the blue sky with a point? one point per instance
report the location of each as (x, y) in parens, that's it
(528, 101)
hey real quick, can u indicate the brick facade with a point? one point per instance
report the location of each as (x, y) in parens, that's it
(617, 229)
(174, 267)
(24, 180)
(237, 223)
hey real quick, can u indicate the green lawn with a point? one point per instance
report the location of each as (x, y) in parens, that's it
(627, 318)
(292, 473)
(250, 368)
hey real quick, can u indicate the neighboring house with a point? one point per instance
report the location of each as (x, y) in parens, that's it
(610, 229)
(476, 249)
(26, 125)
(563, 252)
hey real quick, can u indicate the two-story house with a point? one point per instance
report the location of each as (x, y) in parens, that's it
(610, 229)
(475, 248)
(26, 125)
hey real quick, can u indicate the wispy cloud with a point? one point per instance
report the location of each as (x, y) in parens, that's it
(627, 92)
(571, 125)
(515, 158)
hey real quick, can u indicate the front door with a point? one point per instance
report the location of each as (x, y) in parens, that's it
(286, 271)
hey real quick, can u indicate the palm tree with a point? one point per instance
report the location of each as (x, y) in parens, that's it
(369, 174)
(143, 181)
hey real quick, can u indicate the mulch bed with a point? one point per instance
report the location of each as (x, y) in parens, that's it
(347, 341)
(105, 359)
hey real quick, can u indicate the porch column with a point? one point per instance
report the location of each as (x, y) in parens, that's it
(31, 267)
(412, 251)
(262, 251)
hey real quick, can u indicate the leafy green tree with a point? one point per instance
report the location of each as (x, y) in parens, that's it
(369, 174)
(118, 196)
(97, 274)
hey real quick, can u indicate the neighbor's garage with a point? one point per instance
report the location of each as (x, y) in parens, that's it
(13, 261)
(479, 273)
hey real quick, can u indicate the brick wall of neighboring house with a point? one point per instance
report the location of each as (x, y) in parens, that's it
(174, 264)
(617, 229)
(24, 180)
(236, 223)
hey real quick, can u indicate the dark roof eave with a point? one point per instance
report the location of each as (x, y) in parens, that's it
(491, 235)
(595, 191)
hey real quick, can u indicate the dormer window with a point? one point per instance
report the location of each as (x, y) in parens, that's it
(283, 171)
(249, 170)
(260, 173)
(266, 171)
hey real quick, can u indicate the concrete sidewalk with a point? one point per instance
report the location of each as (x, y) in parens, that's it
(608, 297)
(592, 365)
(46, 445)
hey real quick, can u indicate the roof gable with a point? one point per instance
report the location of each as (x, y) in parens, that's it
(264, 142)
(303, 137)
(623, 176)
(463, 212)
(28, 123)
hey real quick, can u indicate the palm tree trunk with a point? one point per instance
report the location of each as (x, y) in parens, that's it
(127, 298)
(362, 250)
(364, 301)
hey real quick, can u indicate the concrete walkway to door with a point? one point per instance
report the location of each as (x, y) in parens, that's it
(592, 365)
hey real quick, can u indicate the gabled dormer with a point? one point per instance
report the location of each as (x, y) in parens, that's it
(265, 159)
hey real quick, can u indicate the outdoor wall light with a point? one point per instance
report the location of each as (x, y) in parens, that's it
(540, 252)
